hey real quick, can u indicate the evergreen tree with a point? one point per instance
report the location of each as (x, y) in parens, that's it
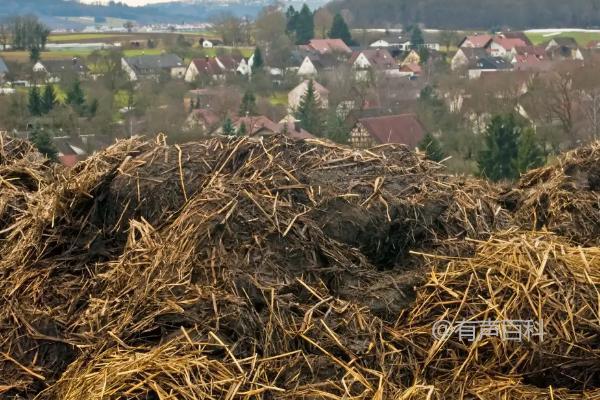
(292, 20)
(305, 26)
(228, 128)
(257, 60)
(93, 108)
(416, 37)
(336, 129)
(48, 99)
(35, 102)
(530, 154)
(34, 54)
(432, 148)
(242, 131)
(309, 111)
(498, 160)
(43, 142)
(76, 97)
(340, 30)
(248, 105)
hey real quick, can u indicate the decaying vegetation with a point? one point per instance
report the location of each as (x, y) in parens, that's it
(247, 268)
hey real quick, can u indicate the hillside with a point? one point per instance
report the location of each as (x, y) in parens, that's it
(474, 14)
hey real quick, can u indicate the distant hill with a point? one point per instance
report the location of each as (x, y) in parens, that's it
(175, 12)
(473, 14)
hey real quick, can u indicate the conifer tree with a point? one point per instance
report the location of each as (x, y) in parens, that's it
(305, 26)
(242, 131)
(248, 105)
(432, 147)
(48, 99)
(76, 97)
(43, 142)
(258, 62)
(35, 102)
(228, 128)
(498, 160)
(309, 111)
(340, 30)
(530, 154)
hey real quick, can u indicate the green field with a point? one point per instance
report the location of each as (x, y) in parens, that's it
(582, 38)
(75, 37)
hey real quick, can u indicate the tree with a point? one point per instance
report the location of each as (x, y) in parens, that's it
(75, 95)
(42, 140)
(4, 35)
(242, 130)
(28, 33)
(498, 160)
(231, 29)
(257, 60)
(432, 147)
(309, 111)
(448, 38)
(336, 129)
(248, 105)
(305, 26)
(323, 20)
(339, 30)
(48, 99)
(416, 37)
(228, 128)
(34, 55)
(292, 17)
(35, 102)
(530, 154)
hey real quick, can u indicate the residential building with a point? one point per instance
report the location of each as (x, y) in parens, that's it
(204, 68)
(412, 58)
(295, 95)
(475, 41)
(564, 48)
(54, 70)
(203, 119)
(466, 56)
(260, 125)
(500, 46)
(327, 46)
(488, 64)
(313, 64)
(379, 60)
(153, 66)
(398, 129)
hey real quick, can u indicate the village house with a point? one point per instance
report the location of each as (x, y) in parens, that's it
(72, 149)
(153, 66)
(412, 58)
(411, 70)
(203, 119)
(3, 70)
(296, 94)
(564, 48)
(500, 46)
(54, 70)
(379, 60)
(466, 56)
(260, 125)
(398, 129)
(475, 41)
(203, 68)
(327, 46)
(312, 65)
(488, 64)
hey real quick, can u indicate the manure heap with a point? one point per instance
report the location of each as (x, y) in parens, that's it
(245, 268)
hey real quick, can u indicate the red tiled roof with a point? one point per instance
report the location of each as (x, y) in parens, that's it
(538, 51)
(260, 123)
(378, 58)
(478, 41)
(207, 116)
(229, 62)
(414, 68)
(403, 129)
(329, 46)
(207, 66)
(509, 43)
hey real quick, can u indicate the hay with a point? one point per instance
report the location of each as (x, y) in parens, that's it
(244, 268)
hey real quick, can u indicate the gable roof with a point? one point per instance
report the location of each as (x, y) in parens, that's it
(518, 35)
(537, 51)
(3, 67)
(568, 42)
(61, 66)
(378, 58)
(476, 41)
(154, 63)
(208, 117)
(320, 89)
(207, 65)
(508, 43)
(329, 46)
(402, 128)
(473, 53)
(231, 63)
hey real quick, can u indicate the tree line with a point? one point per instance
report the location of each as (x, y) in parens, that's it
(472, 14)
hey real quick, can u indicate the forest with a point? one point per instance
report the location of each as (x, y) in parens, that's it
(472, 14)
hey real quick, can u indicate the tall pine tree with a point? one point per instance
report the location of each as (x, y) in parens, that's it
(305, 26)
(48, 99)
(309, 111)
(43, 142)
(257, 60)
(498, 160)
(340, 30)
(530, 154)
(76, 97)
(432, 147)
(35, 102)
(228, 128)
(248, 105)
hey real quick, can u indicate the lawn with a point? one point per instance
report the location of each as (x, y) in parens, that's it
(75, 37)
(279, 99)
(582, 37)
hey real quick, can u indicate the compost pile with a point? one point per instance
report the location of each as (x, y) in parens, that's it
(273, 268)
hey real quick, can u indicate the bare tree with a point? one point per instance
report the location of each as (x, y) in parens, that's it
(4, 35)
(323, 19)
